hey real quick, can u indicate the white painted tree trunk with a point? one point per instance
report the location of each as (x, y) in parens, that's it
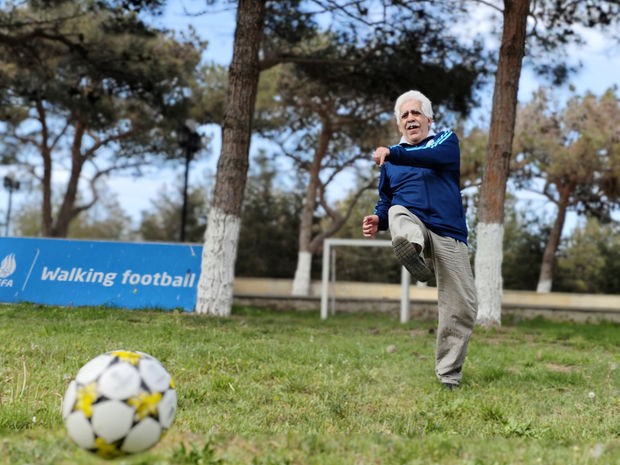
(217, 275)
(544, 286)
(302, 281)
(488, 269)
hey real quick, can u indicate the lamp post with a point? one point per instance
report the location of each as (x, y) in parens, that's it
(189, 141)
(11, 185)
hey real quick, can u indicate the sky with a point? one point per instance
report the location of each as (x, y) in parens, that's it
(600, 71)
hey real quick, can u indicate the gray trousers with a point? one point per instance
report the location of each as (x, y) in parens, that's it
(457, 304)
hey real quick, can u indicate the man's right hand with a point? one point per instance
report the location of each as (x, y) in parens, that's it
(370, 225)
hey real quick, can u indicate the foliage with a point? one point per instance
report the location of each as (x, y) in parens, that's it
(163, 221)
(525, 236)
(209, 94)
(558, 23)
(512, 51)
(572, 146)
(473, 144)
(590, 261)
(267, 387)
(318, 128)
(571, 156)
(553, 26)
(573, 149)
(338, 92)
(98, 91)
(106, 220)
(269, 224)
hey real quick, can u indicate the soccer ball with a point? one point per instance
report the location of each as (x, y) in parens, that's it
(120, 403)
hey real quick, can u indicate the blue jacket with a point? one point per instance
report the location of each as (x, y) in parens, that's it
(425, 178)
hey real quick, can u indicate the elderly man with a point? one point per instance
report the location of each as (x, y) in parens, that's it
(420, 202)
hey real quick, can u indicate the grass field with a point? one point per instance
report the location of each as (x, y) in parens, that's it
(276, 388)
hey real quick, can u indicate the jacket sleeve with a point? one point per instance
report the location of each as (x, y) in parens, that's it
(441, 153)
(385, 200)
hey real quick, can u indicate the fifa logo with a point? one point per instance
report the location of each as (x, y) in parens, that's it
(7, 268)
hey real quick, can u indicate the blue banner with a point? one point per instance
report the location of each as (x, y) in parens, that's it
(118, 274)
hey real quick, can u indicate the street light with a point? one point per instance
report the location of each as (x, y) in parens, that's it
(11, 185)
(190, 142)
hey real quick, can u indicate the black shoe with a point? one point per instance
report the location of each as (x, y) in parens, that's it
(409, 257)
(449, 386)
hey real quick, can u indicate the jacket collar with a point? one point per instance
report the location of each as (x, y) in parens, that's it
(431, 133)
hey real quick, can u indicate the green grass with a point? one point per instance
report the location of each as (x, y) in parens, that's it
(284, 388)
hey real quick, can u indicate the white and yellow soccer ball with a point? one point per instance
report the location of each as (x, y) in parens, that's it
(119, 403)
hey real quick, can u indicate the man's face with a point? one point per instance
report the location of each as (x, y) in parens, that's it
(412, 123)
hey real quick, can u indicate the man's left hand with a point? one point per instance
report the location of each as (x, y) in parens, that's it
(381, 153)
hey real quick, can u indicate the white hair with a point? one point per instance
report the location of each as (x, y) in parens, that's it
(427, 107)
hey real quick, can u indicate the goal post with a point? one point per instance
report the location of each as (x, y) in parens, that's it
(328, 244)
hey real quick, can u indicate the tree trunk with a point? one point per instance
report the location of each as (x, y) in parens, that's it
(302, 280)
(303, 274)
(46, 181)
(490, 229)
(545, 278)
(215, 286)
(66, 210)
